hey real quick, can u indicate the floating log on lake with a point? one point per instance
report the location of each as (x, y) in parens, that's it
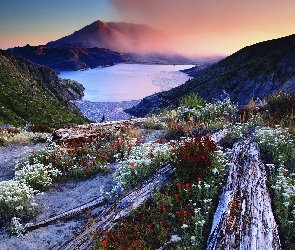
(244, 217)
(122, 208)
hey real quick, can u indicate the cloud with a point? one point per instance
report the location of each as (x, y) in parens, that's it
(212, 25)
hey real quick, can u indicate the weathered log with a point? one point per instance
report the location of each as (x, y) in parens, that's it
(244, 217)
(122, 208)
(67, 214)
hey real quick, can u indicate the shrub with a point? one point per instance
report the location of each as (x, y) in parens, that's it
(281, 106)
(40, 128)
(192, 101)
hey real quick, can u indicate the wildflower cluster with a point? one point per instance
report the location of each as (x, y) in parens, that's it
(16, 199)
(143, 159)
(277, 142)
(54, 163)
(192, 157)
(185, 121)
(279, 146)
(38, 176)
(16, 227)
(283, 190)
(210, 112)
(178, 217)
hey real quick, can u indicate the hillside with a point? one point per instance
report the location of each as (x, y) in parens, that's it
(69, 59)
(35, 95)
(122, 37)
(254, 71)
(199, 177)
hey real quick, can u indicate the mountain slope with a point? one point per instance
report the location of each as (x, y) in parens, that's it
(31, 94)
(69, 59)
(254, 71)
(122, 37)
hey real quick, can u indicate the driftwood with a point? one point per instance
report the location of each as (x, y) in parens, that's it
(244, 217)
(78, 135)
(121, 209)
(68, 214)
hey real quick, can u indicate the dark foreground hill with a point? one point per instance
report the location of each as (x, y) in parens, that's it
(254, 71)
(69, 58)
(36, 95)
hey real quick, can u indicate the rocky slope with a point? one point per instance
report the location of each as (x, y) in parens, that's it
(31, 94)
(69, 59)
(254, 71)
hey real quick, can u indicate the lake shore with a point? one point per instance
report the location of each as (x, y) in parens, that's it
(109, 111)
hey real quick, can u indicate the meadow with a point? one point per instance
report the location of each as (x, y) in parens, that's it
(179, 215)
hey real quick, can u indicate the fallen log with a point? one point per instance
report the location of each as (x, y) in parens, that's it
(67, 214)
(244, 217)
(122, 208)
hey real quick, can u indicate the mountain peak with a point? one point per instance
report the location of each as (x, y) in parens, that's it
(121, 37)
(98, 24)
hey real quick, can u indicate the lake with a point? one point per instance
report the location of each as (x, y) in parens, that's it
(125, 82)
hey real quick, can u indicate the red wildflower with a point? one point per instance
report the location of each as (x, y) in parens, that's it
(104, 243)
(199, 179)
(132, 164)
(164, 140)
(187, 186)
(176, 196)
(151, 155)
(120, 143)
(164, 209)
(178, 185)
(136, 229)
(138, 140)
(158, 140)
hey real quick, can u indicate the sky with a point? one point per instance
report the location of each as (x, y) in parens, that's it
(198, 27)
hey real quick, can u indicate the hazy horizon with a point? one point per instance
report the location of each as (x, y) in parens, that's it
(194, 27)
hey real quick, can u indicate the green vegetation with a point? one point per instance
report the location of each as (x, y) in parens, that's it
(180, 214)
(28, 98)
